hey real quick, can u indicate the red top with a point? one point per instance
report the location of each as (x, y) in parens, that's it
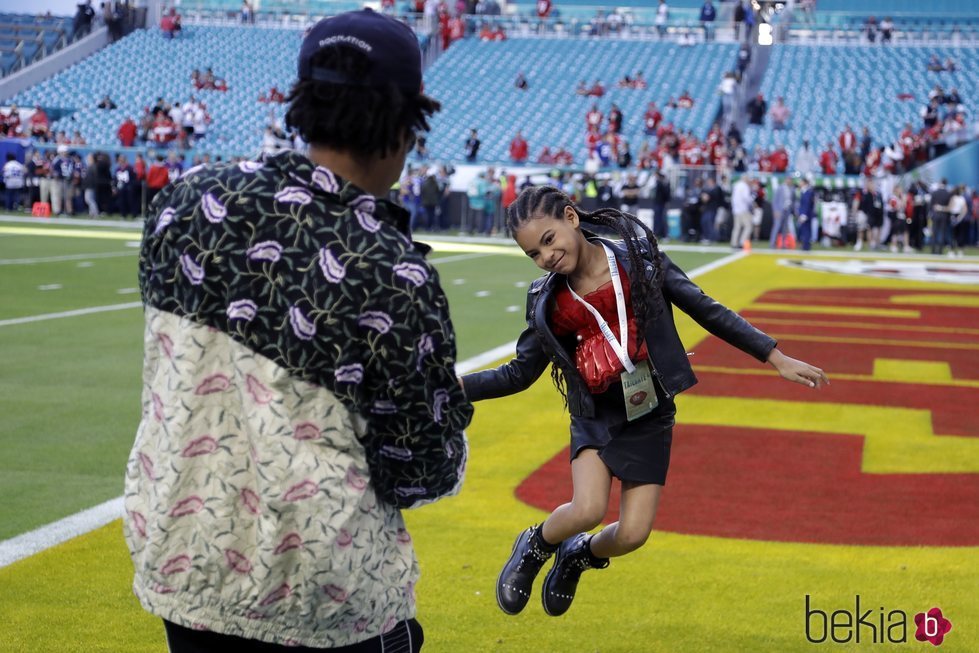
(594, 358)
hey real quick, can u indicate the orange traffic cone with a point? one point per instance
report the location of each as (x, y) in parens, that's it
(41, 210)
(778, 241)
(789, 241)
(746, 246)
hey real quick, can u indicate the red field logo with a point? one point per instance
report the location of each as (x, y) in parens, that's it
(932, 626)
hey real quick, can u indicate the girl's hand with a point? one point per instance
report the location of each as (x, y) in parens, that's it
(797, 371)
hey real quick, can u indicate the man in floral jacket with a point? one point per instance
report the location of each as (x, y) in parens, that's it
(298, 382)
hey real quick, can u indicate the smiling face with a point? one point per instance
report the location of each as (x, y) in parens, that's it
(554, 244)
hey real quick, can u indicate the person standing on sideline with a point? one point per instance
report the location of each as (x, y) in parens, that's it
(782, 206)
(298, 380)
(614, 300)
(807, 215)
(661, 197)
(742, 204)
(14, 173)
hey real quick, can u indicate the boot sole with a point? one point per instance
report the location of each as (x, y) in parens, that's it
(499, 579)
(547, 579)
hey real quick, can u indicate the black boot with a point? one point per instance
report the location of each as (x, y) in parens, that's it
(516, 581)
(573, 557)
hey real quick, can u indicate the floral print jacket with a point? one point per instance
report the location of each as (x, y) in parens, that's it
(298, 390)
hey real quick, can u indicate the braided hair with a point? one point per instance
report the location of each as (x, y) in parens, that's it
(548, 201)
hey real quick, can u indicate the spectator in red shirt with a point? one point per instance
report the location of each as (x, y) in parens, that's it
(592, 139)
(563, 158)
(779, 159)
(594, 117)
(828, 160)
(127, 133)
(13, 121)
(848, 140)
(170, 24)
(652, 119)
(39, 124)
(518, 148)
(545, 156)
(639, 81)
(685, 101)
(597, 89)
(544, 8)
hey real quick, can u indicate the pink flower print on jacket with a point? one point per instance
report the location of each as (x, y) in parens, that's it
(281, 592)
(356, 480)
(333, 270)
(138, 522)
(191, 270)
(147, 464)
(413, 273)
(300, 491)
(157, 407)
(189, 506)
(305, 431)
(344, 538)
(259, 393)
(267, 250)
(335, 592)
(242, 309)
(166, 344)
(214, 210)
(176, 565)
(377, 320)
(302, 326)
(214, 383)
(250, 500)
(200, 447)
(294, 195)
(237, 561)
(290, 542)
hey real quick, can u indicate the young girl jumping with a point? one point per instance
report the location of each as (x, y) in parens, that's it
(603, 317)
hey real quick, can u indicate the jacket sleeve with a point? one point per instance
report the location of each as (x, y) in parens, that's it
(713, 316)
(520, 372)
(414, 409)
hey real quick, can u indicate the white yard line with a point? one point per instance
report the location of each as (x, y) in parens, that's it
(55, 533)
(67, 257)
(75, 313)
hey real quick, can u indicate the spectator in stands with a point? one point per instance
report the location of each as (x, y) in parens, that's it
(421, 148)
(935, 64)
(78, 139)
(950, 65)
(886, 30)
(472, 146)
(106, 103)
(544, 8)
(685, 101)
(593, 119)
(866, 143)
(545, 156)
(247, 14)
(805, 159)
(870, 29)
(39, 124)
(615, 119)
(563, 157)
(170, 23)
(82, 23)
(726, 89)
(14, 174)
(13, 122)
(707, 16)
(639, 81)
(597, 89)
(757, 107)
(847, 141)
(828, 160)
(738, 16)
(652, 119)
(519, 148)
(662, 18)
(521, 82)
(780, 114)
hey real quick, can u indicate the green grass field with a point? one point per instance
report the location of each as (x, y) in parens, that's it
(69, 400)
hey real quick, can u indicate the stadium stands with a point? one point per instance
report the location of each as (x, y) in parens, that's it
(24, 38)
(144, 66)
(475, 80)
(826, 87)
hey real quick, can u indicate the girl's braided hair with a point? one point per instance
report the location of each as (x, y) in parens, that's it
(548, 201)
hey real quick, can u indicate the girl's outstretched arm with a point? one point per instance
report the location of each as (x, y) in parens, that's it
(797, 371)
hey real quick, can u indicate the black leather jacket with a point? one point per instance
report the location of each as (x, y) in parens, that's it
(666, 353)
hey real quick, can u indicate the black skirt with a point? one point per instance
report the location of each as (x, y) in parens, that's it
(637, 451)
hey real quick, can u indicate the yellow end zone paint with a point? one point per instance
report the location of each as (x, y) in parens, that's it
(71, 233)
(939, 299)
(910, 371)
(835, 310)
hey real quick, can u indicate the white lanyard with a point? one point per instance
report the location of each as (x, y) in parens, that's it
(620, 349)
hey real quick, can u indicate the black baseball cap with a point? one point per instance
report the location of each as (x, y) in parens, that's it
(390, 45)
